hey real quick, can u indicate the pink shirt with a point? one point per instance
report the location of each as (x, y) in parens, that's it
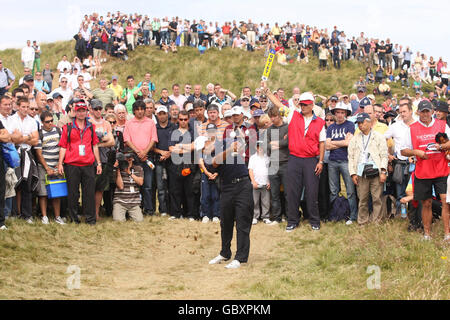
(140, 132)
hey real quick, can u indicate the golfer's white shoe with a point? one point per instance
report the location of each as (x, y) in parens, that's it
(217, 260)
(233, 264)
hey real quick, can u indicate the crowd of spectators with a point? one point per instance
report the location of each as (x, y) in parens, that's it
(124, 148)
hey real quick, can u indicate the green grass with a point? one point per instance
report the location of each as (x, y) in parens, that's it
(232, 68)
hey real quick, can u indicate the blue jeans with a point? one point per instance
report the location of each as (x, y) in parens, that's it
(146, 188)
(146, 37)
(161, 185)
(165, 37)
(335, 170)
(209, 199)
(400, 189)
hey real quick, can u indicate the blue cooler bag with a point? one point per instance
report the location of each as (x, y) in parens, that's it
(56, 187)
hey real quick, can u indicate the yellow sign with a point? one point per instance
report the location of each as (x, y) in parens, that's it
(268, 66)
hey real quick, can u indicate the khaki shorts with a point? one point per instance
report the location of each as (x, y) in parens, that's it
(41, 189)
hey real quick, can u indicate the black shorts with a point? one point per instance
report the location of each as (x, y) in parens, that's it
(423, 188)
(445, 81)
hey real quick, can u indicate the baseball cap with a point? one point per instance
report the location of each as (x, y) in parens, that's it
(228, 113)
(57, 95)
(258, 113)
(161, 108)
(28, 77)
(263, 97)
(442, 106)
(390, 113)
(255, 105)
(245, 98)
(114, 78)
(425, 105)
(362, 117)
(236, 110)
(364, 102)
(80, 104)
(96, 103)
(361, 89)
(307, 98)
(334, 98)
(211, 126)
(371, 97)
(49, 97)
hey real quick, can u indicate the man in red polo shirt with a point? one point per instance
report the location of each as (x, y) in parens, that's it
(78, 152)
(307, 137)
(431, 167)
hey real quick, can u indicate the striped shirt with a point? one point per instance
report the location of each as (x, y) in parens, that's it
(129, 196)
(220, 128)
(49, 146)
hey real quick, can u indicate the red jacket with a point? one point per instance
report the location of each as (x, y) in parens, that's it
(89, 140)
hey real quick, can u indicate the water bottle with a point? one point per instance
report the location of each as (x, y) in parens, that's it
(403, 211)
(150, 164)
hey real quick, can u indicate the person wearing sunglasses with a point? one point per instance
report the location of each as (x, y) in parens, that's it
(181, 170)
(47, 154)
(106, 141)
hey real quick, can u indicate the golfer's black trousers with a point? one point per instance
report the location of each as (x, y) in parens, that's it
(236, 204)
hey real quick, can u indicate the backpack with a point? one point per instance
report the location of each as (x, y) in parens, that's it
(41, 134)
(340, 209)
(69, 130)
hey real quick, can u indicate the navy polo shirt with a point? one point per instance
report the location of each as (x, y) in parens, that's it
(164, 135)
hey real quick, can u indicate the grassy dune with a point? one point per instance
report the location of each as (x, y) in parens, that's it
(232, 68)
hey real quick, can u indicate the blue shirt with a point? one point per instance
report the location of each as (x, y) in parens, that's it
(337, 132)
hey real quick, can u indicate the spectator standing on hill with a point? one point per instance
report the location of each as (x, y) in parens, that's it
(37, 57)
(28, 56)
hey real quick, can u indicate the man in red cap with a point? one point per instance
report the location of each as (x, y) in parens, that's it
(78, 153)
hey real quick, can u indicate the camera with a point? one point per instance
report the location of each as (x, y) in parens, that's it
(122, 158)
(370, 172)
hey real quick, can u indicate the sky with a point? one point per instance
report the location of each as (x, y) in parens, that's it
(421, 25)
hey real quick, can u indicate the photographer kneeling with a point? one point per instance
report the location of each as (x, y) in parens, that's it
(127, 197)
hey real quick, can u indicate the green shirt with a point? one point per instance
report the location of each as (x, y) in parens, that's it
(129, 94)
(106, 96)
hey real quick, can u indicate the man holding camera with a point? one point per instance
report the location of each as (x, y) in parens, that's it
(129, 179)
(367, 163)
